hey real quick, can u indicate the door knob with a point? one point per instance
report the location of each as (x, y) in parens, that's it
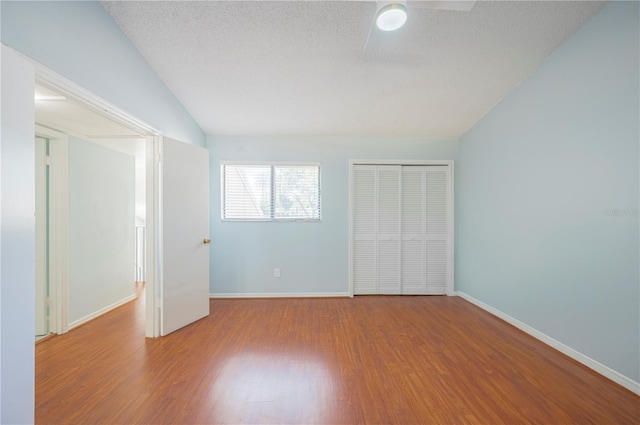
(206, 240)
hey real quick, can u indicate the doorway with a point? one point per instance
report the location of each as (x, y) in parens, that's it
(90, 211)
(165, 214)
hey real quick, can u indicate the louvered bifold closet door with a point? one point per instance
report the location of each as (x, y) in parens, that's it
(364, 230)
(413, 230)
(437, 229)
(389, 177)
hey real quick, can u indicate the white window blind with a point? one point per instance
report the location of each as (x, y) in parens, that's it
(247, 192)
(270, 192)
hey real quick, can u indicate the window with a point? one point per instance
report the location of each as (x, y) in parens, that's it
(262, 191)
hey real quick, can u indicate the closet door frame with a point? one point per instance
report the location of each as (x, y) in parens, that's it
(443, 163)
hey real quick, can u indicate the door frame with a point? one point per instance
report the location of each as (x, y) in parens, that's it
(447, 163)
(58, 248)
(47, 77)
(42, 327)
(153, 265)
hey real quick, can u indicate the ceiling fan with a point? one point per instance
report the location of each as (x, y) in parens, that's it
(392, 14)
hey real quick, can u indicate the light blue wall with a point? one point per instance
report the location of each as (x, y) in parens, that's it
(101, 208)
(535, 181)
(17, 240)
(313, 257)
(80, 41)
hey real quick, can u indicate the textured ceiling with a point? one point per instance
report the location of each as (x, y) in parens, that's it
(299, 68)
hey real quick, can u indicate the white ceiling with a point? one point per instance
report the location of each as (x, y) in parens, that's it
(273, 68)
(59, 112)
(55, 111)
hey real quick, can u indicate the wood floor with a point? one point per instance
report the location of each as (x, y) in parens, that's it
(378, 360)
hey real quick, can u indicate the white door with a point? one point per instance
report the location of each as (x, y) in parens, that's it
(184, 227)
(389, 229)
(365, 212)
(413, 230)
(437, 230)
(401, 221)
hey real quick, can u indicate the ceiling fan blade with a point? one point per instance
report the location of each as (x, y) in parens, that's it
(457, 5)
(366, 43)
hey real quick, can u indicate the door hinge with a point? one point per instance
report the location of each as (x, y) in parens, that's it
(47, 159)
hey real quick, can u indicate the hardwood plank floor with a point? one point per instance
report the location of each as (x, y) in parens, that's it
(373, 359)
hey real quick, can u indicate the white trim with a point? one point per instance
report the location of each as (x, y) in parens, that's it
(598, 367)
(100, 312)
(41, 159)
(350, 228)
(274, 163)
(158, 207)
(59, 235)
(152, 263)
(271, 220)
(58, 163)
(278, 295)
(72, 90)
(400, 162)
(52, 127)
(47, 132)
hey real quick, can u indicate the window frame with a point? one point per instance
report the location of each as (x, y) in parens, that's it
(272, 165)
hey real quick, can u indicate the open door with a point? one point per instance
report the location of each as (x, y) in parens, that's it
(184, 234)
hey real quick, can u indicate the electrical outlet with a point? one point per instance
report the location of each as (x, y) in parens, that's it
(276, 272)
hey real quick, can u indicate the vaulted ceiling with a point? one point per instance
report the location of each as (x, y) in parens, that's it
(300, 68)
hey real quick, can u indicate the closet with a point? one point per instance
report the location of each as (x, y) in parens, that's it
(401, 237)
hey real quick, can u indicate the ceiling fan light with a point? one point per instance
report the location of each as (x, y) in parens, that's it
(391, 17)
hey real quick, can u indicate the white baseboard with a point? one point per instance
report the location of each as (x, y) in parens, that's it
(606, 371)
(100, 312)
(279, 295)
